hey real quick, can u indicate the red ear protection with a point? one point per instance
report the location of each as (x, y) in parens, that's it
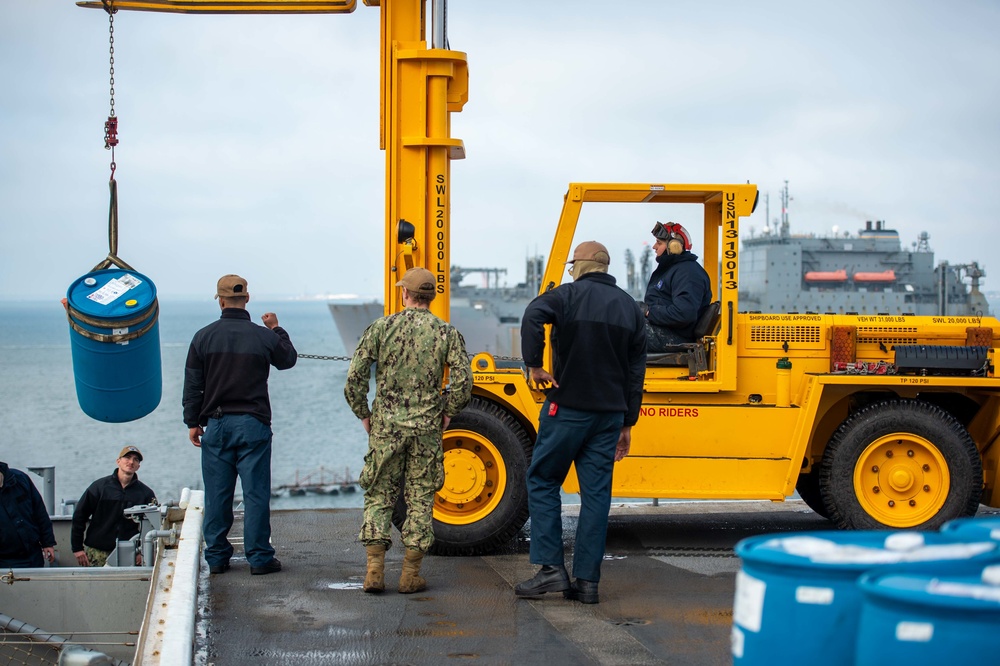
(679, 238)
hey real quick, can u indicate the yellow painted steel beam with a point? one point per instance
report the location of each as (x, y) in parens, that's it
(230, 6)
(421, 88)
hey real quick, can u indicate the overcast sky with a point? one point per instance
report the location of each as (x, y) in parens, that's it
(249, 144)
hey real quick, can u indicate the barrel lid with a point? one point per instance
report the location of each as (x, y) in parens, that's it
(858, 550)
(969, 592)
(985, 527)
(112, 293)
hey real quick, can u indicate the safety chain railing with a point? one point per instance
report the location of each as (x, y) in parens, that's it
(321, 357)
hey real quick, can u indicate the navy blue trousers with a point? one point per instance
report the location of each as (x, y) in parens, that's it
(35, 559)
(237, 445)
(587, 439)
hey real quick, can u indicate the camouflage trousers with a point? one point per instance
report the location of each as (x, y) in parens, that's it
(98, 558)
(417, 463)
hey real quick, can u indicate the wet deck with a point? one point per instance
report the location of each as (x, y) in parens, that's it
(666, 596)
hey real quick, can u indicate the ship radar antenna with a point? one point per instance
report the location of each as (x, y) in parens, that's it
(924, 242)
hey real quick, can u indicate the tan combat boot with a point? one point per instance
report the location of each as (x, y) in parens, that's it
(375, 578)
(410, 581)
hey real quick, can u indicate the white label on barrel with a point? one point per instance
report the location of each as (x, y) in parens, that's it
(736, 642)
(914, 632)
(748, 606)
(120, 331)
(114, 288)
(821, 596)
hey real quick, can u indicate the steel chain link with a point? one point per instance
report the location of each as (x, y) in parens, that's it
(321, 357)
(325, 358)
(111, 47)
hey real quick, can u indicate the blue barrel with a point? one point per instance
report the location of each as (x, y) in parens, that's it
(115, 338)
(927, 619)
(973, 529)
(797, 599)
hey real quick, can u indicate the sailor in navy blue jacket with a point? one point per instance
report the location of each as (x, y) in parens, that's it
(678, 292)
(26, 537)
(599, 351)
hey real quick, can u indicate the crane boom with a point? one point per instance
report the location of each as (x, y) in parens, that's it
(229, 7)
(420, 88)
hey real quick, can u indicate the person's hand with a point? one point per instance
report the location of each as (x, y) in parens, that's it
(541, 378)
(624, 443)
(49, 554)
(81, 558)
(447, 420)
(366, 423)
(270, 319)
(194, 434)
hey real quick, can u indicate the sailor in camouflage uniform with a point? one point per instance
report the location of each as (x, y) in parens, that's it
(410, 350)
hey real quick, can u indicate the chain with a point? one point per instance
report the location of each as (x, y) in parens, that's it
(325, 358)
(320, 357)
(689, 551)
(518, 359)
(111, 124)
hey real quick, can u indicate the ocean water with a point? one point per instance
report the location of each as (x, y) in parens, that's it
(315, 434)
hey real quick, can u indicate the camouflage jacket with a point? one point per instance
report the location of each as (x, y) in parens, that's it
(410, 350)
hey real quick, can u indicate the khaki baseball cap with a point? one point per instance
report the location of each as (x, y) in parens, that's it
(591, 251)
(231, 286)
(130, 449)
(418, 281)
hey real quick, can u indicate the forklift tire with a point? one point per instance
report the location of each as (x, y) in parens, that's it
(484, 501)
(808, 489)
(900, 464)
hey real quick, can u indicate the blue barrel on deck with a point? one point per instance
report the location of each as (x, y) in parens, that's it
(973, 529)
(797, 598)
(115, 340)
(929, 619)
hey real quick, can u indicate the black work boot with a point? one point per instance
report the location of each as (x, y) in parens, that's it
(584, 591)
(548, 579)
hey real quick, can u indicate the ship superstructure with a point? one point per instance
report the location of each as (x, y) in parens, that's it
(865, 273)
(488, 315)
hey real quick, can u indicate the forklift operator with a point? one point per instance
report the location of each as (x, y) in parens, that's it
(678, 292)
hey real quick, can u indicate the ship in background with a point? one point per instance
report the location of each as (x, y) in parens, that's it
(488, 315)
(868, 273)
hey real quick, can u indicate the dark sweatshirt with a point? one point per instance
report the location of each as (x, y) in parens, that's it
(102, 505)
(679, 290)
(227, 368)
(598, 341)
(25, 526)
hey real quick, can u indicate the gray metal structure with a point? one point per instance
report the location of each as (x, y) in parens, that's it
(489, 316)
(867, 273)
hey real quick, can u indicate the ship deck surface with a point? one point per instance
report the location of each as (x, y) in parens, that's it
(666, 595)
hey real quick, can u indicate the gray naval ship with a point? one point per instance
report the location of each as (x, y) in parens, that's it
(866, 273)
(488, 314)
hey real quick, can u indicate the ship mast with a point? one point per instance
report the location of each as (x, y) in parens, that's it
(784, 211)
